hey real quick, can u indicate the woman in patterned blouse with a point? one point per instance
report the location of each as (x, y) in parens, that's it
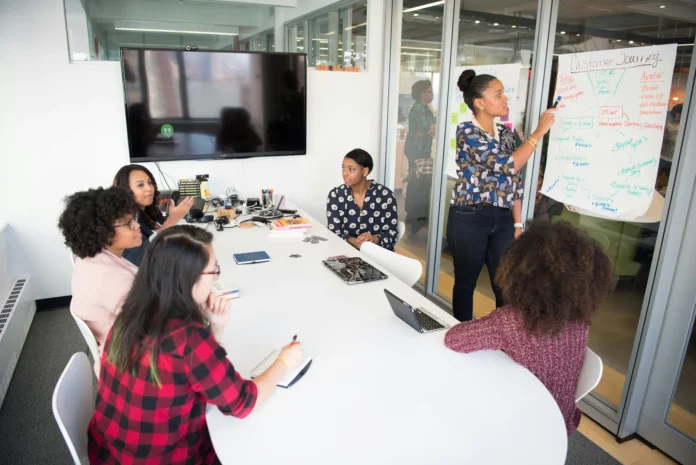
(486, 208)
(361, 210)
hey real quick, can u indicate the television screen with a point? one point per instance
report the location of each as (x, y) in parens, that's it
(183, 105)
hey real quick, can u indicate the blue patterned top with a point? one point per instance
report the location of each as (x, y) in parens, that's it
(485, 167)
(378, 215)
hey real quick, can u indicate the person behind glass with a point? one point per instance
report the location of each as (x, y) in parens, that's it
(98, 226)
(142, 185)
(554, 278)
(486, 208)
(164, 362)
(362, 210)
(421, 124)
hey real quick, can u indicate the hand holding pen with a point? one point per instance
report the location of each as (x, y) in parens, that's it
(292, 354)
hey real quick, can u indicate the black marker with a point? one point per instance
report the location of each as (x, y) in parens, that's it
(294, 338)
(555, 104)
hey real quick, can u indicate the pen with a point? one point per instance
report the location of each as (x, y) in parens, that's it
(294, 338)
(555, 104)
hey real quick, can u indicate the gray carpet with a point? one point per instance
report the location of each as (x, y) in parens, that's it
(29, 432)
(582, 451)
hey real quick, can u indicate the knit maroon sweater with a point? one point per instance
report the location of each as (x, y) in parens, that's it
(555, 360)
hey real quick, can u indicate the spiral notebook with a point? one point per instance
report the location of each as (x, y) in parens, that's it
(290, 378)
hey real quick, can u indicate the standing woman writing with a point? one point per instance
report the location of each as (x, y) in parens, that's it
(486, 209)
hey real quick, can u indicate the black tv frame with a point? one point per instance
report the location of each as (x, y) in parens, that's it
(212, 156)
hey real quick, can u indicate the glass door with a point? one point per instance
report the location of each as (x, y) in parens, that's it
(668, 416)
(415, 132)
(631, 245)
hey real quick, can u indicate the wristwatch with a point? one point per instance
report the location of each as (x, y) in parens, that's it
(519, 225)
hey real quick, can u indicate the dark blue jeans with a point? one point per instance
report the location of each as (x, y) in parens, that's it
(476, 234)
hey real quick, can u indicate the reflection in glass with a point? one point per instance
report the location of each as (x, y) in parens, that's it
(630, 245)
(419, 81)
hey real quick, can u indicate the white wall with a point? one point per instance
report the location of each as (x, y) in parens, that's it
(62, 129)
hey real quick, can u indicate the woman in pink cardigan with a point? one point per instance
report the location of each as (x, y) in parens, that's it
(98, 225)
(553, 278)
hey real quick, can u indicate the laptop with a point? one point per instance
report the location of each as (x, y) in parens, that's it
(354, 270)
(416, 318)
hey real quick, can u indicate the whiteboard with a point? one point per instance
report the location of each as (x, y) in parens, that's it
(513, 76)
(604, 149)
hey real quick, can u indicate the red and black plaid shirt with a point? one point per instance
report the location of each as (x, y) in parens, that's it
(138, 422)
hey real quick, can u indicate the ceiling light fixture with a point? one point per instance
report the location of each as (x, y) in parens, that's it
(422, 7)
(662, 6)
(477, 21)
(416, 14)
(618, 40)
(630, 41)
(176, 31)
(495, 24)
(562, 32)
(355, 27)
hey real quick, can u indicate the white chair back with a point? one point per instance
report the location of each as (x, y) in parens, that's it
(73, 258)
(401, 230)
(73, 405)
(590, 374)
(406, 269)
(89, 337)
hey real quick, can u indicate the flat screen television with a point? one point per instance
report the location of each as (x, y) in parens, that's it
(183, 105)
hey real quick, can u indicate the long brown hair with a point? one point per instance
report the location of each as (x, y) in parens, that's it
(162, 291)
(554, 274)
(151, 214)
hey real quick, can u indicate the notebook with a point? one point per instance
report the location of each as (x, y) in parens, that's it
(224, 289)
(290, 378)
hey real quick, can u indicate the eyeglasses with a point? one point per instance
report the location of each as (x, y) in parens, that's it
(216, 272)
(131, 224)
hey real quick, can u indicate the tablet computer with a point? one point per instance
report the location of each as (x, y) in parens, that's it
(251, 257)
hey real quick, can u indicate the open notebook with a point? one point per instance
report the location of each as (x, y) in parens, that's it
(290, 378)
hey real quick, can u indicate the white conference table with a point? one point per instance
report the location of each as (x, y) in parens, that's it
(377, 392)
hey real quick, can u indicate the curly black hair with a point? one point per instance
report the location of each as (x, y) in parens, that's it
(554, 274)
(87, 223)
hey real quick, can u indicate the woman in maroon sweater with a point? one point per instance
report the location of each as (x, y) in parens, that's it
(553, 278)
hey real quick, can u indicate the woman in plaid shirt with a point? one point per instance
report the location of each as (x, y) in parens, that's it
(163, 361)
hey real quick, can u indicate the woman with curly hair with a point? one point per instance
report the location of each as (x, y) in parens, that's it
(98, 225)
(140, 182)
(553, 279)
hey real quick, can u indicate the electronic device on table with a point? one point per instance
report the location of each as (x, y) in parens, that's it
(255, 104)
(354, 270)
(418, 319)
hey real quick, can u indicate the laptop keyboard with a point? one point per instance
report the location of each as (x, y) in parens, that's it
(426, 321)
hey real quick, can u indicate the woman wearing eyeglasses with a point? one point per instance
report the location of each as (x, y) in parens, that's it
(98, 225)
(164, 364)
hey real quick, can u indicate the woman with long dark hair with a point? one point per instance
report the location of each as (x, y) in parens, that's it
(141, 183)
(486, 209)
(164, 363)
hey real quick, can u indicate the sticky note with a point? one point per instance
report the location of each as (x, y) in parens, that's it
(453, 143)
(455, 118)
(463, 108)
